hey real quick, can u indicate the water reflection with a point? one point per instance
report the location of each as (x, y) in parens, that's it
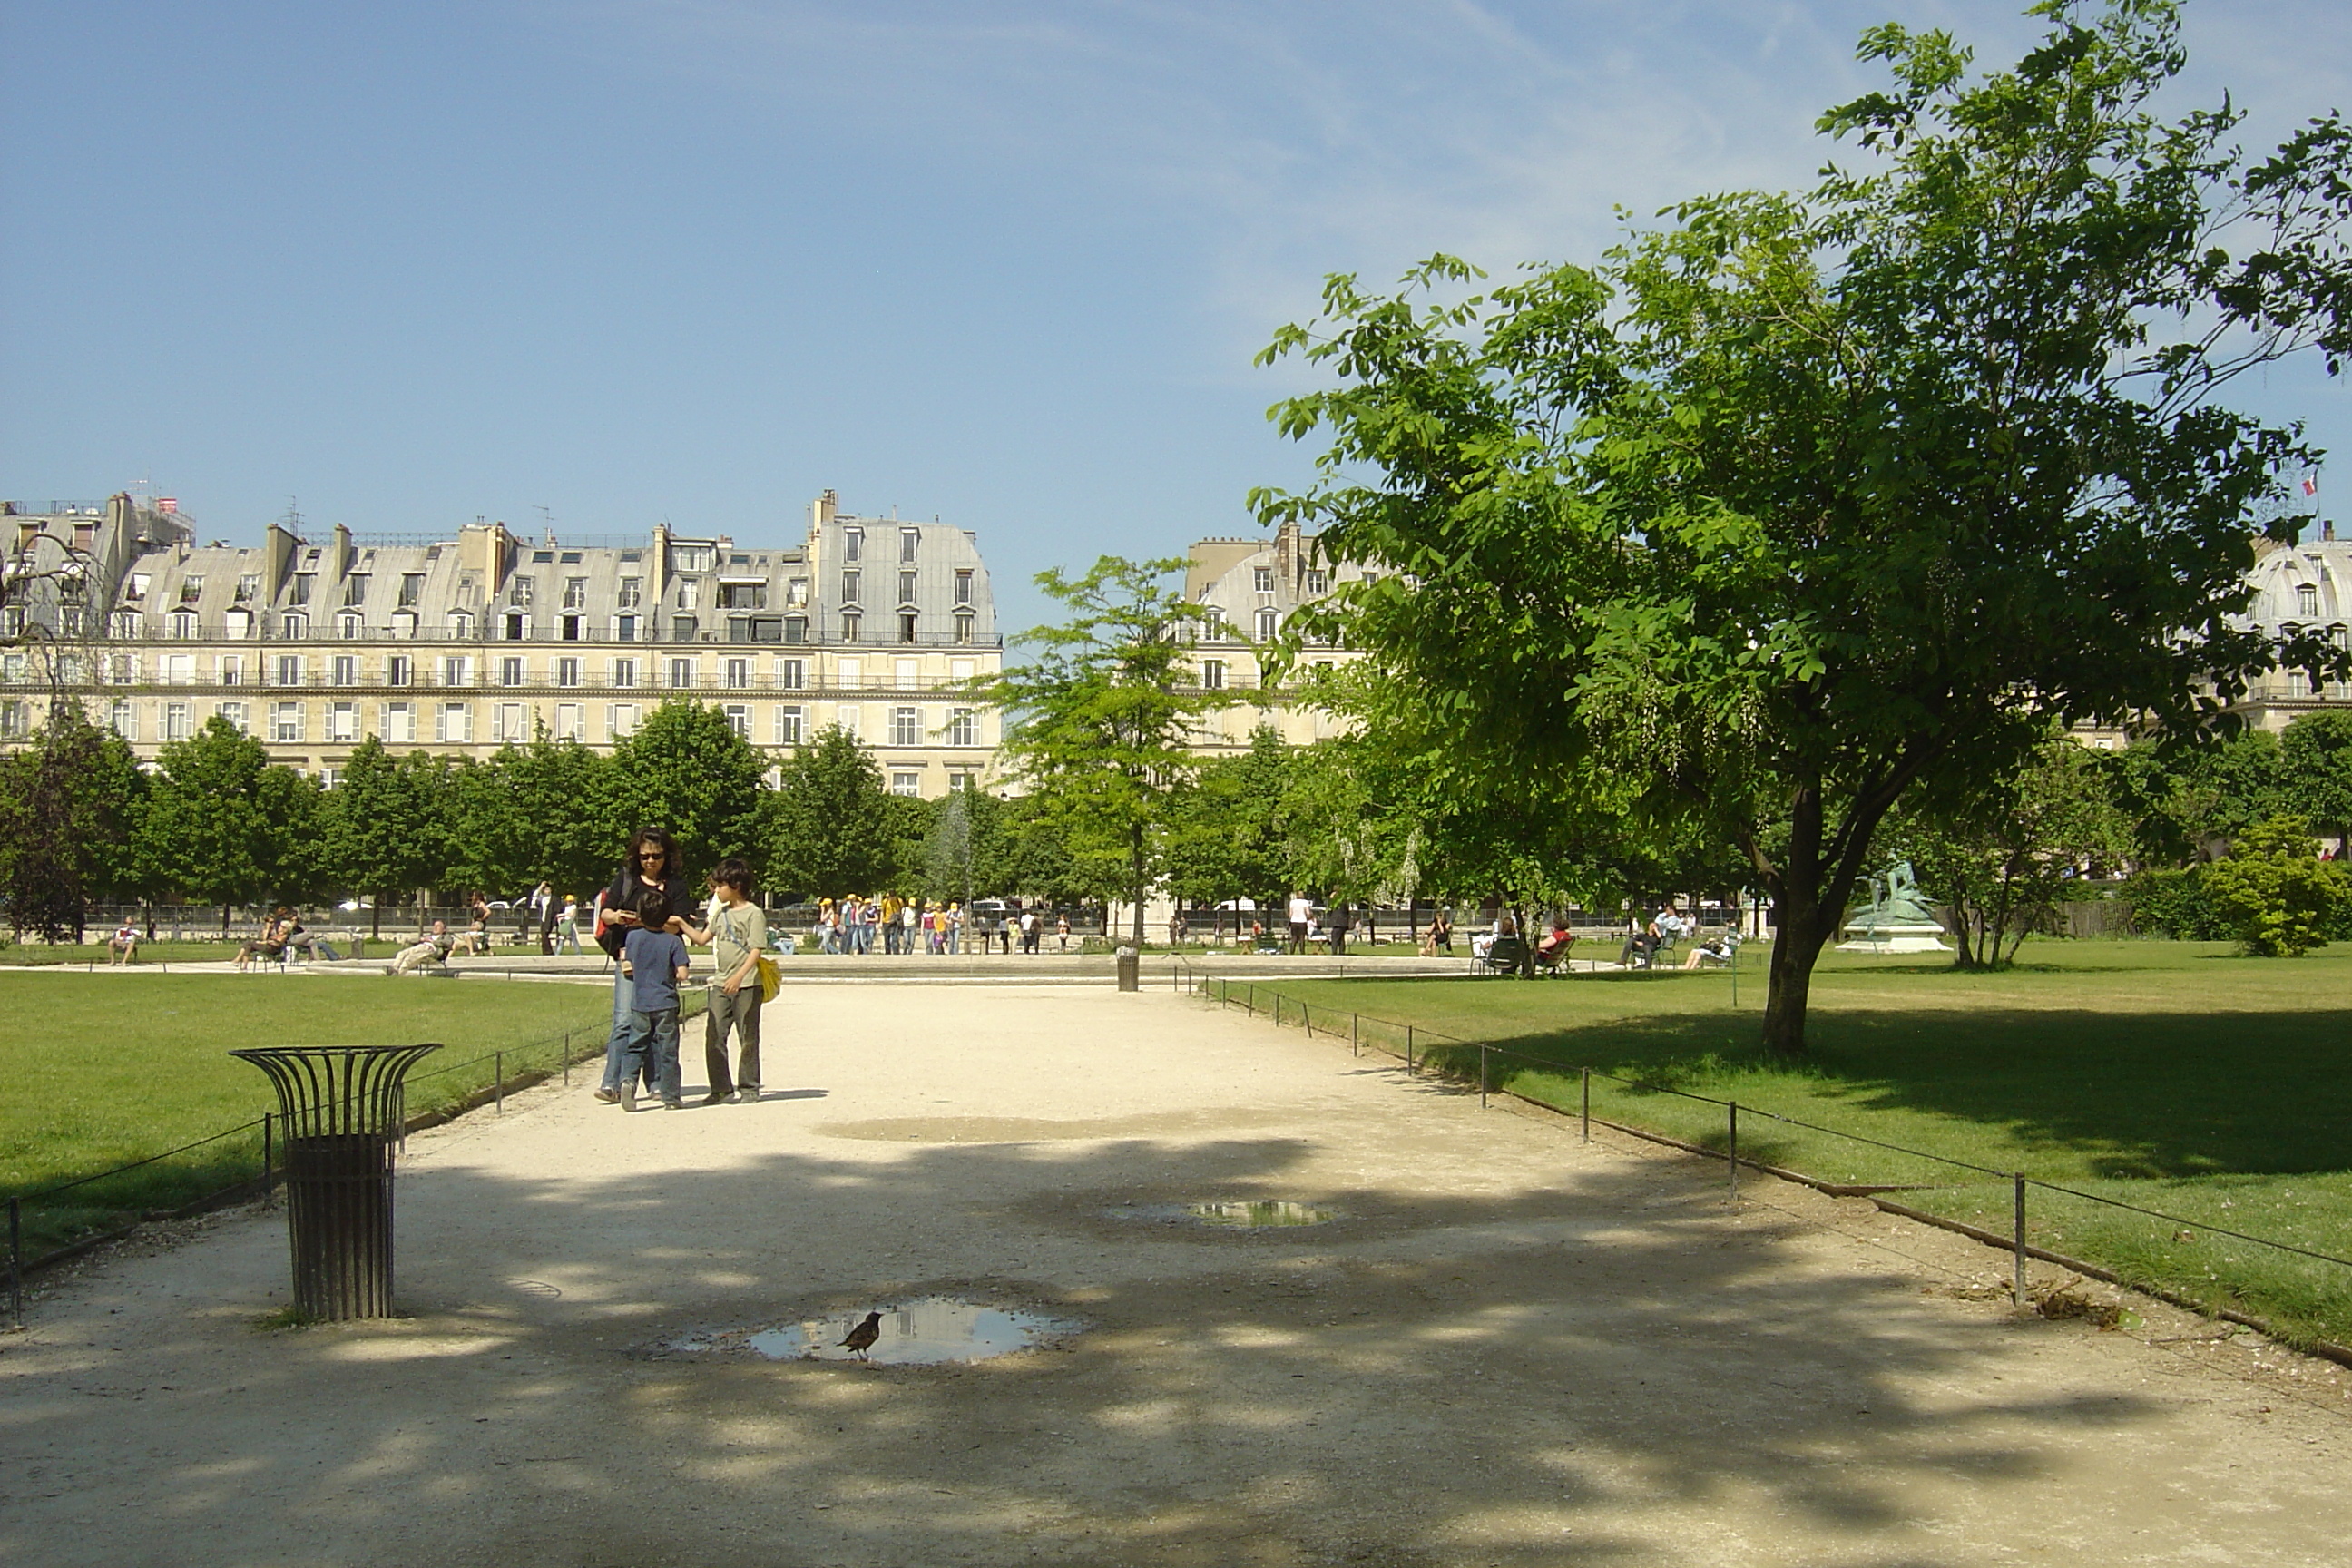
(1233, 1213)
(930, 1332)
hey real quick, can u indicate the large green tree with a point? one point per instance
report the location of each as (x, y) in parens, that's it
(68, 802)
(687, 770)
(389, 825)
(2315, 772)
(534, 813)
(1102, 716)
(830, 828)
(221, 824)
(1798, 503)
(1230, 836)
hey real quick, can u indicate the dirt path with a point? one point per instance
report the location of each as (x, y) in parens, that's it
(1512, 1349)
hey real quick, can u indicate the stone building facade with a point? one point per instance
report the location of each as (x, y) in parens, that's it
(464, 643)
(1245, 591)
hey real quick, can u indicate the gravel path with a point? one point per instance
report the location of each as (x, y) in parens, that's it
(1511, 1349)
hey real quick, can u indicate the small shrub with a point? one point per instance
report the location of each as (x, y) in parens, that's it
(2174, 903)
(2279, 898)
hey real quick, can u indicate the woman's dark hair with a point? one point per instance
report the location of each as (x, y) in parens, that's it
(653, 910)
(732, 873)
(645, 838)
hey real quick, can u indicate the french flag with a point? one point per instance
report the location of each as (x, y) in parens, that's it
(2310, 484)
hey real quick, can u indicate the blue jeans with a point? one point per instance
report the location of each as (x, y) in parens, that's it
(618, 1045)
(653, 1042)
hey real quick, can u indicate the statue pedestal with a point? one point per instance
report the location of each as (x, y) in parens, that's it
(1864, 937)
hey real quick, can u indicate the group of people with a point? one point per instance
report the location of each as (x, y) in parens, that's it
(281, 934)
(1332, 928)
(643, 920)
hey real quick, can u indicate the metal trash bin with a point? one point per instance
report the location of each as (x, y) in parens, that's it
(1130, 977)
(341, 1108)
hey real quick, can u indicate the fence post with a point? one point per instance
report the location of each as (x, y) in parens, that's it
(499, 1068)
(1355, 1033)
(16, 1263)
(567, 1058)
(1482, 1074)
(2018, 1285)
(1408, 1048)
(268, 1154)
(1586, 1074)
(1734, 1160)
(1306, 1016)
(1250, 1000)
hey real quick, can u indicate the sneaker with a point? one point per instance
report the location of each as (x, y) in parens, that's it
(749, 1094)
(629, 1095)
(608, 1096)
(672, 1102)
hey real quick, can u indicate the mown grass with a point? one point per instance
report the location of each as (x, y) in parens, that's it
(2174, 1075)
(152, 954)
(109, 1068)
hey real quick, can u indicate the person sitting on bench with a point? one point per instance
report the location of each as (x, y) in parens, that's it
(1641, 945)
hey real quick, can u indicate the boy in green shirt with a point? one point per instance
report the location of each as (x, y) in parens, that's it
(737, 935)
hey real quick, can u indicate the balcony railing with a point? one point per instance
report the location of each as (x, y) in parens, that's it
(158, 631)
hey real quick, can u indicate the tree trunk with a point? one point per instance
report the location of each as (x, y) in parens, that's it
(375, 916)
(1794, 952)
(224, 922)
(1135, 873)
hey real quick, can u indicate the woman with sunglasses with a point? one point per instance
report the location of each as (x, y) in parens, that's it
(650, 866)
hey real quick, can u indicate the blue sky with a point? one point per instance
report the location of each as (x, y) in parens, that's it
(699, 260)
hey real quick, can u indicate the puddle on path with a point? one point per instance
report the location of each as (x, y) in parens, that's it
(1234, 1214)
(931, 1332)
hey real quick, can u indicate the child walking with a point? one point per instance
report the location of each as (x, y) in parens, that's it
(657, 961)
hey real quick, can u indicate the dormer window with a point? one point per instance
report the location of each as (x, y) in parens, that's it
(248, 588)
(191, 590)
(519, 592)
(136, 588)
(299, 594)
(1262, 579)
(853, 544)
(2306, 599)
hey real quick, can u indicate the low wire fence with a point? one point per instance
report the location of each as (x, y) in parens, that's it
(2301, 1294)
(240, 1163)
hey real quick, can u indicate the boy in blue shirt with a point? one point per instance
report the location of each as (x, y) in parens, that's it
(656, 957)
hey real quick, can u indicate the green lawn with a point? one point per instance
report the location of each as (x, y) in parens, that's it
(2177, 1076)
(152, 954)
(108, 1068)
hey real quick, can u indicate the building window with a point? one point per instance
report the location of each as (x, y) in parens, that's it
(737, 672)
(181, 625)
(300, 593)
(454, 724)
(399, 721)
(175, 721)
(625, 672)
(573, 628)
(738, 718)
(853, 543)
(963, 728)
(1317, 583)
(795, 630)
(681, 628)
(344, 721)
(248, 588)
(846, 716)
(906, 587)
(906, 674)
(1268, 622)
(742, 595)
(567, 672)
(632, 593)
(849, 628)
(290, 669)
(519, 592)
(397, 670)
(906, 727)
(796, 594)
(232, 669)
(457, 670)
(345, 669)
(849, 587)
(789, 729)
(125, 623)
(349, 625)
(910, 542)
(681, 674)
(330, 778)
(12, 720)
(963, 630)
(510, 722)
(960, 780)
(625, 628)
(2306, 599)
(461, 625)
(1262, 579)
(517, 627)
(792, 674)
(355, 589)
(1213, 625)
(575, 593)
(907, 784)
(286, 722)
(179, 670)
(233, 715)
(848, 674)
(689, 595)
(191, 589)
(571, 722)
(620, 721)
(509, 672)
(412, 590)
(963, 588)
(1213, 675)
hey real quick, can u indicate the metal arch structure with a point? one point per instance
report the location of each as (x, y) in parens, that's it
(342, 1109)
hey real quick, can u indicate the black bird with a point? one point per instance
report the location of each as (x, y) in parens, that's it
(863, 1336)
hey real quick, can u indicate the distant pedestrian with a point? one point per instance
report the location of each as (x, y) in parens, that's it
(654, 957)
(1062, 931)
(1338, 927)
(567, 925)
(1031, 927)
(1302, 915)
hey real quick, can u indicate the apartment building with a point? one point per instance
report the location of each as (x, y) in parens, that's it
(1245, 591)
(484, 638)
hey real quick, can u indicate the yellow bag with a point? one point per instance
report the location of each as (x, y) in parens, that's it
(771, 979)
